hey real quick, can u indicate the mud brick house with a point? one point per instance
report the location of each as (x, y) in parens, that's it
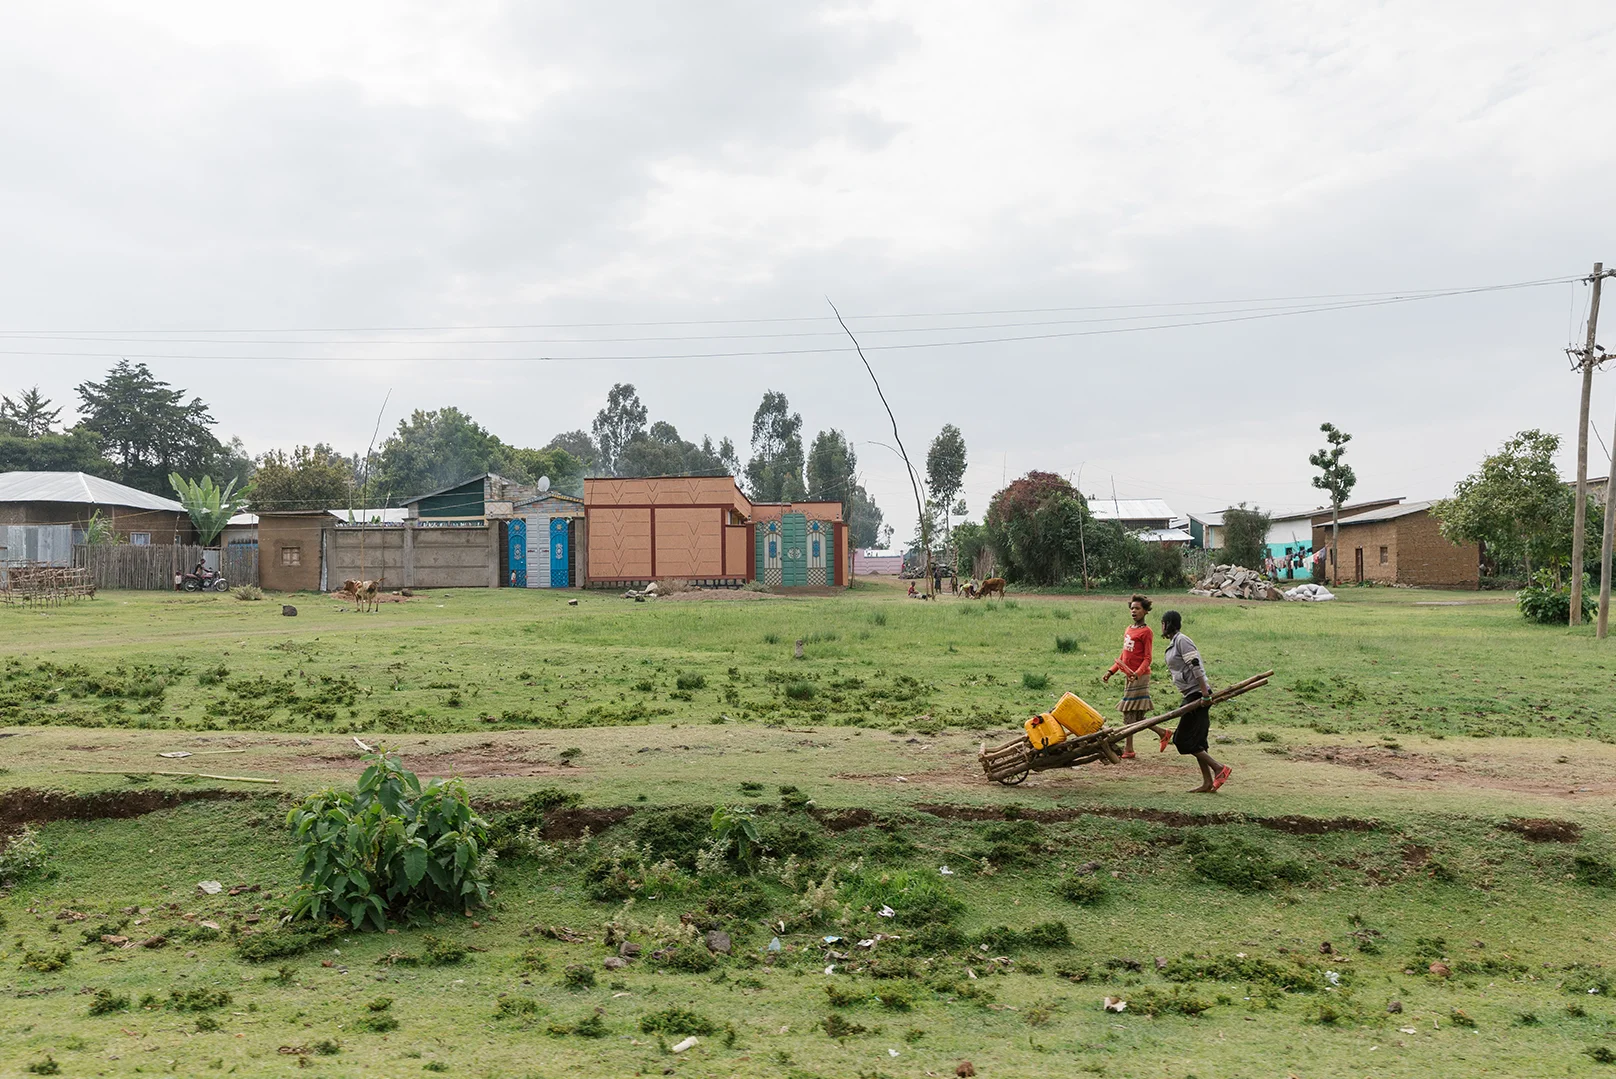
(704, 530)
(1401, 543)
(42, 514)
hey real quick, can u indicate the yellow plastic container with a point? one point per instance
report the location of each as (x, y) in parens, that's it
(1076, 715)
(1043, 731)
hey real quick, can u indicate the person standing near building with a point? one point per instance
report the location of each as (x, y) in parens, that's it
(1134, 663)
(1194, 729)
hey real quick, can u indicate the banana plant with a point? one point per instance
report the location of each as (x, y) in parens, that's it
(210, 507)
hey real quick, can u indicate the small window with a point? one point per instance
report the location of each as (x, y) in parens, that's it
(140, 539)
(291, 556)
(1383, 556)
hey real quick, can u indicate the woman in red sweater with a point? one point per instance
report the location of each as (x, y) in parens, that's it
(1134, 663)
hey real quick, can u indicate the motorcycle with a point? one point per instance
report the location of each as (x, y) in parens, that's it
(204, 581)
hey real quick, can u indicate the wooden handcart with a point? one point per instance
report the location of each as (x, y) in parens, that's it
(1017, 759)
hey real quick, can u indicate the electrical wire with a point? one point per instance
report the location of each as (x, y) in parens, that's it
(1345, 296)
(1186, 323)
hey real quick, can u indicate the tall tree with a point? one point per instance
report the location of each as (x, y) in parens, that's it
(308, 478)
(1245, 536)
(618, 424)
(29, 416)
(148, 430)
(1514, 503)
(580, 447)
(74, 450)
(565, 472)
(832, 477)
(432, 450)
(774, 474)
(945, 470)
(1337, 479)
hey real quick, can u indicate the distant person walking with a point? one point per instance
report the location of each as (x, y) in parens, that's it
(1194, 729)
(1134, 663)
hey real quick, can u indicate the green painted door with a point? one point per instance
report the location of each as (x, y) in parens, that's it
(793, 550)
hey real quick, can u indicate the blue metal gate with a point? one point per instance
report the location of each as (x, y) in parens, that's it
(559, 577)
(516, 537)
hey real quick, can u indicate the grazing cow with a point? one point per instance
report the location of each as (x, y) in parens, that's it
(990, 586)
(366, 592)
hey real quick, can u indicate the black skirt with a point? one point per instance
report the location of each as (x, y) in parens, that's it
(1193, 727)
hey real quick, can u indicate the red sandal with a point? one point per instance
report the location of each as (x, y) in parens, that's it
(1166, 740)
(1129, 755)
(1222, 777)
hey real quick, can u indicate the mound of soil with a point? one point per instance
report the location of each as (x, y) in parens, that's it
(1544, 829)
(27, 805)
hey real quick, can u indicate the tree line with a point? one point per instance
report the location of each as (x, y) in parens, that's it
(139, 430)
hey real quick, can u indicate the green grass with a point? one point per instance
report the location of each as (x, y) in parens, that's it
(1492, 719)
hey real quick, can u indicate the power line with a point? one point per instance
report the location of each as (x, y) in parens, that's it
(1385, 294)
(1191, 322)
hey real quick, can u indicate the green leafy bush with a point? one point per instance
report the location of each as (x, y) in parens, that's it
(677, 1021)
(691, 681)
(20, 857)
(1240, 864)
(1544, 603)
(388, 847)
(1084, 889)
(1035, 681)
(283, 943)
(1066, 644)
(916, 899)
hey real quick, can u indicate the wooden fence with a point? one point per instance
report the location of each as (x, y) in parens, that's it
(239, 563)
(127, 565)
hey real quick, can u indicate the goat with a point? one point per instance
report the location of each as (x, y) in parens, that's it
(990, 586)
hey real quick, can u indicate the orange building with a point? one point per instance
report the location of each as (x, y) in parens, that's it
(703, 529)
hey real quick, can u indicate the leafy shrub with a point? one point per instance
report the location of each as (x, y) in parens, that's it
(1267, 736)
(1291, 979)
(1084, 889)
(677, 1021)
(516, 1008)
(691, 681)
(578, 976)
(1035, 681)
(1594, 870)
(737, 826)
(685, 959)
(1066, 644)
(840, 1028)
(105, 1002)
(197, 1000)
(801, 691)
(1043, 935)
(590, 1026)
(1548, 605)
(388, 847)
(47, 962)
(247, 592)
(283, 943)
(1240, 864)
(916, 899)
(1153, 1002)
(21, 857)
(440, 953)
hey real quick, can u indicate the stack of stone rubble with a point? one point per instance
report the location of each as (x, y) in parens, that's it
(1237, 582)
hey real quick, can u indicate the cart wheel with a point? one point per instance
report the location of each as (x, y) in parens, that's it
(1017, 778)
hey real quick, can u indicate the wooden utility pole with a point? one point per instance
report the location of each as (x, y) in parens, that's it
(1580, 512)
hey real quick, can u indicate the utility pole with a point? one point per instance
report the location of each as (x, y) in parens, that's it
(1586, 359)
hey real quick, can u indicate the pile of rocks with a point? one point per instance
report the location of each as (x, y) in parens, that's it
(1237, 582)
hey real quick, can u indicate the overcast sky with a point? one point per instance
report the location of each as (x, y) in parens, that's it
(704, 175)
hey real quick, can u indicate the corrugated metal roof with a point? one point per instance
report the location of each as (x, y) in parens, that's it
(390, 515)
(1387, 513)
(78, 487)
(1129, 509)
(1164, 535)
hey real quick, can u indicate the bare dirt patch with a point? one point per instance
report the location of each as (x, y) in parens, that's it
(1562, 776)
(27, 805)
(1292, 825)
(571, 823)
(842, 820)
(1544, 829)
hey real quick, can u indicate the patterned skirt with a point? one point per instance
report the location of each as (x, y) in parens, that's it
(1136, 695)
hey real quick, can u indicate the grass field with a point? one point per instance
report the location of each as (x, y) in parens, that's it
(1428, 780)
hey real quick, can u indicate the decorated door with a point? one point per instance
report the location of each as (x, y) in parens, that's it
(516, 546)
(821, 560)
(559, 546)
(793, 550)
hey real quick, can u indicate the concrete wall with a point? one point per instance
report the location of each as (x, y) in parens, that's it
(414, 557)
